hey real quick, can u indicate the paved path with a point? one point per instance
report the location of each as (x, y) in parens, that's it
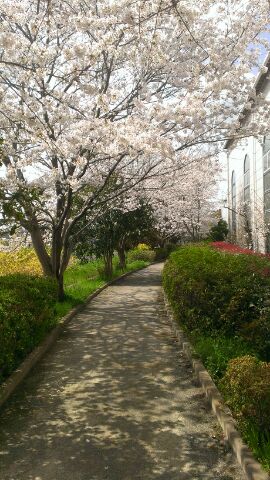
(114, 400)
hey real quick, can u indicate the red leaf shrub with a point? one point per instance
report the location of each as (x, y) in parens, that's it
(231, 248)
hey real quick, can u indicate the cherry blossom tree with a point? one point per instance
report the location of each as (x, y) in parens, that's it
(184, 204)
(97, 89)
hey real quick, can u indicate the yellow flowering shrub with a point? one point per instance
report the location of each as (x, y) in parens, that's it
(143, 246)
(24, 261)
(21, 261)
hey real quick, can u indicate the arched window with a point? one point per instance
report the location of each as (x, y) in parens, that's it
(266, 152)
(266, 188)
(247, 179)
(233, 193)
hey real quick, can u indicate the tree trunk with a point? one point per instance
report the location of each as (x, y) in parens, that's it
(61, 291)
(122, 258)
(53, 266)
(108, 266)
(41, 251)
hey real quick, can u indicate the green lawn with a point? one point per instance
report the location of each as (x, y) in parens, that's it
(83, 279)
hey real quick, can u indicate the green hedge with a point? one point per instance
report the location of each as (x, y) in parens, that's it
(140, 254)
(220, 300)
(221, 294)
(26, 315)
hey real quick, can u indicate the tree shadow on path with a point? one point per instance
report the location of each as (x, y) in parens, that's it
(113, 400)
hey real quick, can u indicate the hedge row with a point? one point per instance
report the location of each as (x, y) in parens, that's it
(221, 300)
(218, 293)
(26, 315)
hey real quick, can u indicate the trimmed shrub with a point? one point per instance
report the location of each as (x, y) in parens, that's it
(217, 293)
(144, 254)
(222, 301)
(162, 253)
(246, 385)
(26, 315)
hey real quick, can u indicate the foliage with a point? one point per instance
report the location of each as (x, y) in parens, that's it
(259, 442)
(232, 248)
(23, 260)
(216, 351)
(20, 261)
(220, 299)
(114, 229)
(219, 232)
(26, 315)
(143, 246)
(136, 254)
(162, 253)
(246, 385)
(216, 293)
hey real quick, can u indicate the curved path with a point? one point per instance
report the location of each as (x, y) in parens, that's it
(114, 400)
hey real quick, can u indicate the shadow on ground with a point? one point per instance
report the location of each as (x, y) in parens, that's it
(114, 400)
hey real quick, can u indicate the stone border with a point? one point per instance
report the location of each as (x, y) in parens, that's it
(17, 377)
(252, 468)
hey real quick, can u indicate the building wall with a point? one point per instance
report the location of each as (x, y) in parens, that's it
(249, 215)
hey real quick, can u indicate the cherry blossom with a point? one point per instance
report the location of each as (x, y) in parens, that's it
(97, 90)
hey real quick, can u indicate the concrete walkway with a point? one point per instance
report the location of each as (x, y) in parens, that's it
(114, 400)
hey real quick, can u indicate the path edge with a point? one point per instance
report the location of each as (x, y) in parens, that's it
(18, 376)
(251, 467)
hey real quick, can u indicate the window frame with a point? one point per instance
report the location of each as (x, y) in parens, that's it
(233, 199)
(247, 179)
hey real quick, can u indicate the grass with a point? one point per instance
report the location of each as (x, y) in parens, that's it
(215, 352)
(260, 446)
(83, 279)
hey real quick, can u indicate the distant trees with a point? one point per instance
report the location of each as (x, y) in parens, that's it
(219, 232)
(112, 230)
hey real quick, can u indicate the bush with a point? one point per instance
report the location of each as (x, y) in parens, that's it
(144, 254)
(213, 292)
(162, 253)
(26, 315)
(221, 301)
(246, 386)
(219, 232)
(22, 261)
(257, 335)
(143, 246)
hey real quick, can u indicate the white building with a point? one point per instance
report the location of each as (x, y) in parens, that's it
(248, 168)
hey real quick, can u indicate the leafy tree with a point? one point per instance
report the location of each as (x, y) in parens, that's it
(219, 232)
(114, 229)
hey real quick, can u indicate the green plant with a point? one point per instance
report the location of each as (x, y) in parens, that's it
(246, 385)
(219, 232)
(216, 352)
(257, 334)
(214, 292)
(162, 253)
(220, 300)
(141, 254)
(114, 230)
(26, 315)
(259, 442)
